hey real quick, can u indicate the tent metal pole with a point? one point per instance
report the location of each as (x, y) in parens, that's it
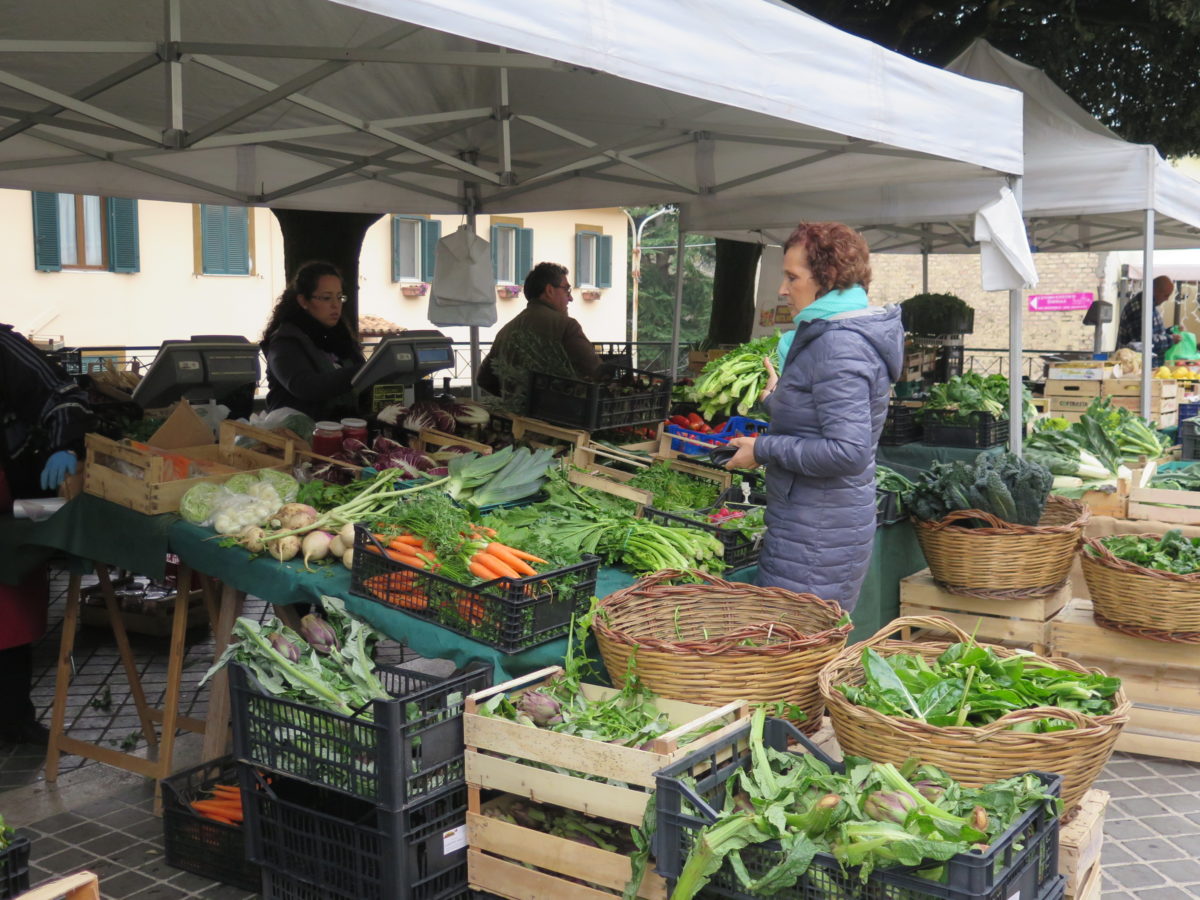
(925, 259)
(1147, 312)
(680, 246)
(1016, 388)
(470, 204)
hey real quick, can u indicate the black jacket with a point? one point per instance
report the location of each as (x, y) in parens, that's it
(307, 378)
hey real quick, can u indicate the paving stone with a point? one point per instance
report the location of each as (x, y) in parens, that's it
(68, 860)
(1128, 768)
(125, 883)
(1169, 825)
(123, 817)
(82, 833)
(58, 822)
(161, 891)
(1188, 843)
(1155, 848)
(225, 892)
(1134, 876)
(1124, 829)
(1167, 892)
(1182, 871)
(148, 828)
(1118, 789)
(1137, 807)
(1181, 803)
(191, 881)
(1156, 786)
(1114, 853)
(109, 844)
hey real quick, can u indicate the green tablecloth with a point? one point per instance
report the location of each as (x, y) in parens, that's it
(87, 528)
(922, 456)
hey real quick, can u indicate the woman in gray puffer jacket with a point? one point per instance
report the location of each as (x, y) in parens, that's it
(827, 408)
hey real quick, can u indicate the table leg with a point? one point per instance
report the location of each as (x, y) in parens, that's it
(62, 678)
(212, 602)
(170, 707)
(131, 673)
(216, 731)
(286, 613)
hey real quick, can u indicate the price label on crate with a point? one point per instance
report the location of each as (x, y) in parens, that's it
(454, 839)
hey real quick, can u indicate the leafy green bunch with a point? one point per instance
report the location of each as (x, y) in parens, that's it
(1009, 487)
(958, 399)
(1170, 553)
(676, 491)
(735, 381)
(968, 685)
(871, 815)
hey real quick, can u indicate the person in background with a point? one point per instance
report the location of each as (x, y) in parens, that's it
(827, 406)
(1129, 330)
(44, 416)
(312, 356)
(542, 337)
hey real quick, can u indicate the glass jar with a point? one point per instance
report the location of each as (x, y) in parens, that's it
(355, 428)
(327, 438)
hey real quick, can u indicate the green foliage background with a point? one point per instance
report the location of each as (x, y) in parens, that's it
(656, 300)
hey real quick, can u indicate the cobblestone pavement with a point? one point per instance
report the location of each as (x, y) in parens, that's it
(101, 819)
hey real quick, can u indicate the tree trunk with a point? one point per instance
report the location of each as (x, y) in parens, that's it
(733, 292)
(333, 237)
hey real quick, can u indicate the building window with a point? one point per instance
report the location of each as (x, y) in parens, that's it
(414, 246)
(84, 231)
(593, 259)
(512, 253)
(225, 240)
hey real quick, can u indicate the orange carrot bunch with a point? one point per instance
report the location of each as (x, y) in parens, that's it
(495, 560)
(225, 805)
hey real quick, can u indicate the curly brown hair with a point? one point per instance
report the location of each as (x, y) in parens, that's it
(838, 256)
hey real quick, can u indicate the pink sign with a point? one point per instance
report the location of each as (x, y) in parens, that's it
(1060, 302)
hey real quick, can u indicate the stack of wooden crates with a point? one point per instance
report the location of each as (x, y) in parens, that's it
(1071, 388)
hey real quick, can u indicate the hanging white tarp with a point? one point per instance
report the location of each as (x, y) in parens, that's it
(395, 105)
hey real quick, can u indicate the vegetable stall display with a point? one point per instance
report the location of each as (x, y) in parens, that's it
(733, 382)
(892, 699)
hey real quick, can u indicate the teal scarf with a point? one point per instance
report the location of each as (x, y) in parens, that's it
(824, 307)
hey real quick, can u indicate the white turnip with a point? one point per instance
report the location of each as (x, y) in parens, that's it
(294, 517)
(315, 546)
(253, 539)
(284, 548)
(336, 547)
(347, 534)
(348, 558)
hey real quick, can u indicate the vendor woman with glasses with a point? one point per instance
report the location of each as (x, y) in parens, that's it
(311, 353)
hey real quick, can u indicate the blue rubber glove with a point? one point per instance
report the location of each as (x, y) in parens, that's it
(58, 467)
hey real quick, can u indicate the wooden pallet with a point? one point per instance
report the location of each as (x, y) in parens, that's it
(1161, 679)
(1022, 623)
(504, 756)
(1079, 846)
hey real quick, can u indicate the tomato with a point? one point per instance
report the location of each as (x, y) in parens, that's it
(681, 421)
(695, 420)
(719, 428)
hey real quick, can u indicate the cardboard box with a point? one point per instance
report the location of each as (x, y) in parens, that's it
(1083, 371)
(153, 477)
(1072, 388)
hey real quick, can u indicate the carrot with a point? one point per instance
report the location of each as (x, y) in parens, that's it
(409, 559)
(479, 570)
(521, 554)
(224, 820)
(504, 554)
(496, 564)
(410, 539)
(483, 529)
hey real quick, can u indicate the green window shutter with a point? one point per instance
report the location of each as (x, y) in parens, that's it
(524, 239)
(395, 248)
(237, 240)
(123, 255)
(431, 232)
(225, 240)
(46, 255)
(495, 235)
(604, 260)
(580, 255)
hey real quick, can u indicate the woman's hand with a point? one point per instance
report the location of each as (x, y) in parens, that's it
(772, 378)
(744, 458)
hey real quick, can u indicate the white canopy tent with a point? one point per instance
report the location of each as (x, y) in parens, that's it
(471, 105)
(1084, 189)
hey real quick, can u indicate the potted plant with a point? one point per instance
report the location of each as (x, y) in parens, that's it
(937, 314)
(414, 290)
(508, 291)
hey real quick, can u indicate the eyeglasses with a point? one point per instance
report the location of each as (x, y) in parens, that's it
(564, 287)
(328, 298)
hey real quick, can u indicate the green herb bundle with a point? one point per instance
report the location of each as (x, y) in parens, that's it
(968, 685)
(959, 398)
(676, 491)
(872, 815)
(735, 381)
(1170, 553)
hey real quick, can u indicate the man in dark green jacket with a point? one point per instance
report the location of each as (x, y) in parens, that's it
(541, 338)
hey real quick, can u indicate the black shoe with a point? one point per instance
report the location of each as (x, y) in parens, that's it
(31, 733)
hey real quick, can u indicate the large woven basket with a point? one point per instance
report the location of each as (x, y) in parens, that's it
(1148, 603)
(973, 755)
(721, 641)
(1004, 560)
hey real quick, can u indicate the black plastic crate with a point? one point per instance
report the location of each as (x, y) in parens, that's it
(1189, 439)
(740, 549)
(949, 362)
(900, 426)
(349, 849)
(510, 614)
(592, 406)
(195, 843)
(14, 867)
(1024, 859)
(984, 430)
(888, 508)
(411, 749)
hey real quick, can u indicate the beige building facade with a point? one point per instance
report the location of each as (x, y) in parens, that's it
(170, 296)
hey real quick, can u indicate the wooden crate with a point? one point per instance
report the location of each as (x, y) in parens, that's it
(1023, 623)
(1184, 508)
(502, 755)
(430, 440)
(1160, 388)
(1082, 370)
(144, 481)
(537, 434)
(1113, 503)
(1079, 845)
(1071, 388)
(1158, 405)
(1160, 678)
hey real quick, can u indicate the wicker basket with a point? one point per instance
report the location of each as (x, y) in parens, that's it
(721, 641)
(1148, 603)
(1004, 560)
(973, 755)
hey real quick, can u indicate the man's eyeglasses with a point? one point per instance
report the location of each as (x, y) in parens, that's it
(563, 287)
(326, 298)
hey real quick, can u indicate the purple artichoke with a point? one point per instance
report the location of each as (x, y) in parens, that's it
(318, 633)
(889, 806)
(284, 647)
(541, 707)
(930, 790)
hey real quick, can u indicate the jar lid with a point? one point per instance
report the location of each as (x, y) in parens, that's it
(354, 423)
(328, 426)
